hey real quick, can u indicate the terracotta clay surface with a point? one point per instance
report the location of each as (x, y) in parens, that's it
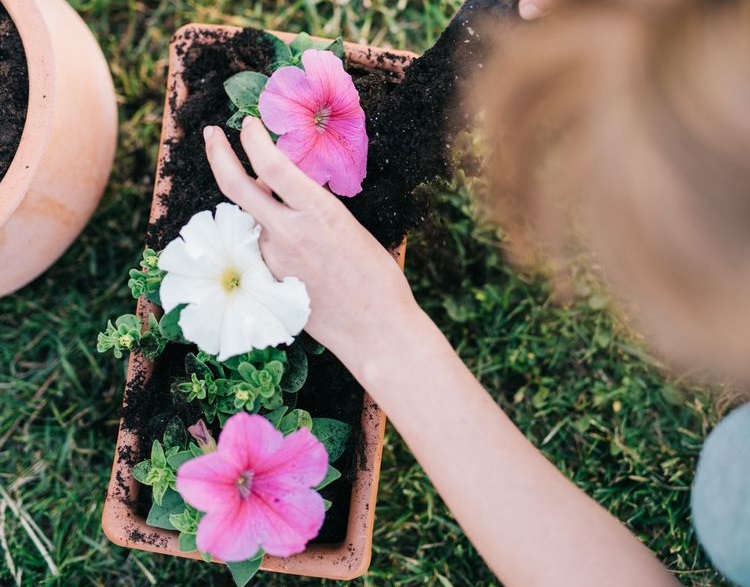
(67, 148)
(122, 525)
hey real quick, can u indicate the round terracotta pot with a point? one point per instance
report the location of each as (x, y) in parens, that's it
(67, 147)
(122, 525)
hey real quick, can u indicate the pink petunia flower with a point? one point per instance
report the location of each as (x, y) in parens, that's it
(321, 124)
(255, 490)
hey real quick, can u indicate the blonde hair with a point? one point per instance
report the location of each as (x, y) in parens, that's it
(623, 130)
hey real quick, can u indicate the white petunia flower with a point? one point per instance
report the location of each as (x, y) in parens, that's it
(234, 304)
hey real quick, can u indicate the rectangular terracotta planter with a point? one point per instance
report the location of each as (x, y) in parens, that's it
(343, 561)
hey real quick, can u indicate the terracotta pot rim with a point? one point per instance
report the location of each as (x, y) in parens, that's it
(37, 131)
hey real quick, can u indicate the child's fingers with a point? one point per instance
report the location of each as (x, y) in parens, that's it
(276, 170)
(234, 182)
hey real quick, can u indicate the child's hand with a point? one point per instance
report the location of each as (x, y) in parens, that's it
(356, 288)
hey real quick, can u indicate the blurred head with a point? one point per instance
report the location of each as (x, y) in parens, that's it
(622, 130)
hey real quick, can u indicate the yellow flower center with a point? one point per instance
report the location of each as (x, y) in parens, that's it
(126, 341)
(230, 280)
(320, 118)
(244, 483)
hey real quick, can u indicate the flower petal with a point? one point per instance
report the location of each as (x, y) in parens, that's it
(201, 323)
(286, 522)
(249, 439)
(300, 146)
(330, 83)
(287, 101)
(177, 258)
(239, 233)
(220, 319)
(334, 152)
(178, 289)
(231, 535)
(251, 327)
(202, 238)
(343, 156)
(209, 482)
(301, 461)
(287, 301)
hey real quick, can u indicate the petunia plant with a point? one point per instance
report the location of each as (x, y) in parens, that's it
(311, 105)
(242, 478)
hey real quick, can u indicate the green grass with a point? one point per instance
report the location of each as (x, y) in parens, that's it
(594, 402)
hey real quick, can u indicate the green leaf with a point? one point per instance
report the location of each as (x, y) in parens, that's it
(301, 43)
(243, 571)
(152, 344)
(295, 420)
(330, 477)
(154, 297)
(337, 48)
(175, 434)
(194, 365)
(327, 504)
(296, 372)
(273, 402)
(186, 521)
(187, 542)
(276, 369)
(177, 460)
(158, 491)
(158, 459)
(333, 434)
(169, 324)
(281, 53)
(223, 417)
(235, 121)
(246, 371)
(141, 470)
(275, 416)
(309, 344)
(171, 504)
(244, 88)
(128, 322)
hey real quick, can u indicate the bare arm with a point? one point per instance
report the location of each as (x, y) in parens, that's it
(531, 525)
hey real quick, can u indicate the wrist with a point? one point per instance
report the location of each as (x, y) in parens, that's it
(368, 343)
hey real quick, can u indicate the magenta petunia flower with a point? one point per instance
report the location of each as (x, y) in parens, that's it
(256, 490)
(319, 120)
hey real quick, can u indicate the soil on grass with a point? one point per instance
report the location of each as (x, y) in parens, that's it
(14, 90)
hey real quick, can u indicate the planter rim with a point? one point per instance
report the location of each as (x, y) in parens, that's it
(37, 132)
(342, 561)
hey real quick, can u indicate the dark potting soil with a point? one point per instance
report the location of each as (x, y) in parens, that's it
(14, 90)
(386, 214)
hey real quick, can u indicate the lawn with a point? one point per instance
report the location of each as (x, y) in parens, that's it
(571, 377)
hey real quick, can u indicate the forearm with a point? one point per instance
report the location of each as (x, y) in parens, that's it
(531, 524)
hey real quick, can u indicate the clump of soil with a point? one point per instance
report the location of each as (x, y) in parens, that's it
(412, 128)
(14, 90)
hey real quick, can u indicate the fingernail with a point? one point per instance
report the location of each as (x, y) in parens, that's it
(248, 120)
(208, 132)
(530, 11)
